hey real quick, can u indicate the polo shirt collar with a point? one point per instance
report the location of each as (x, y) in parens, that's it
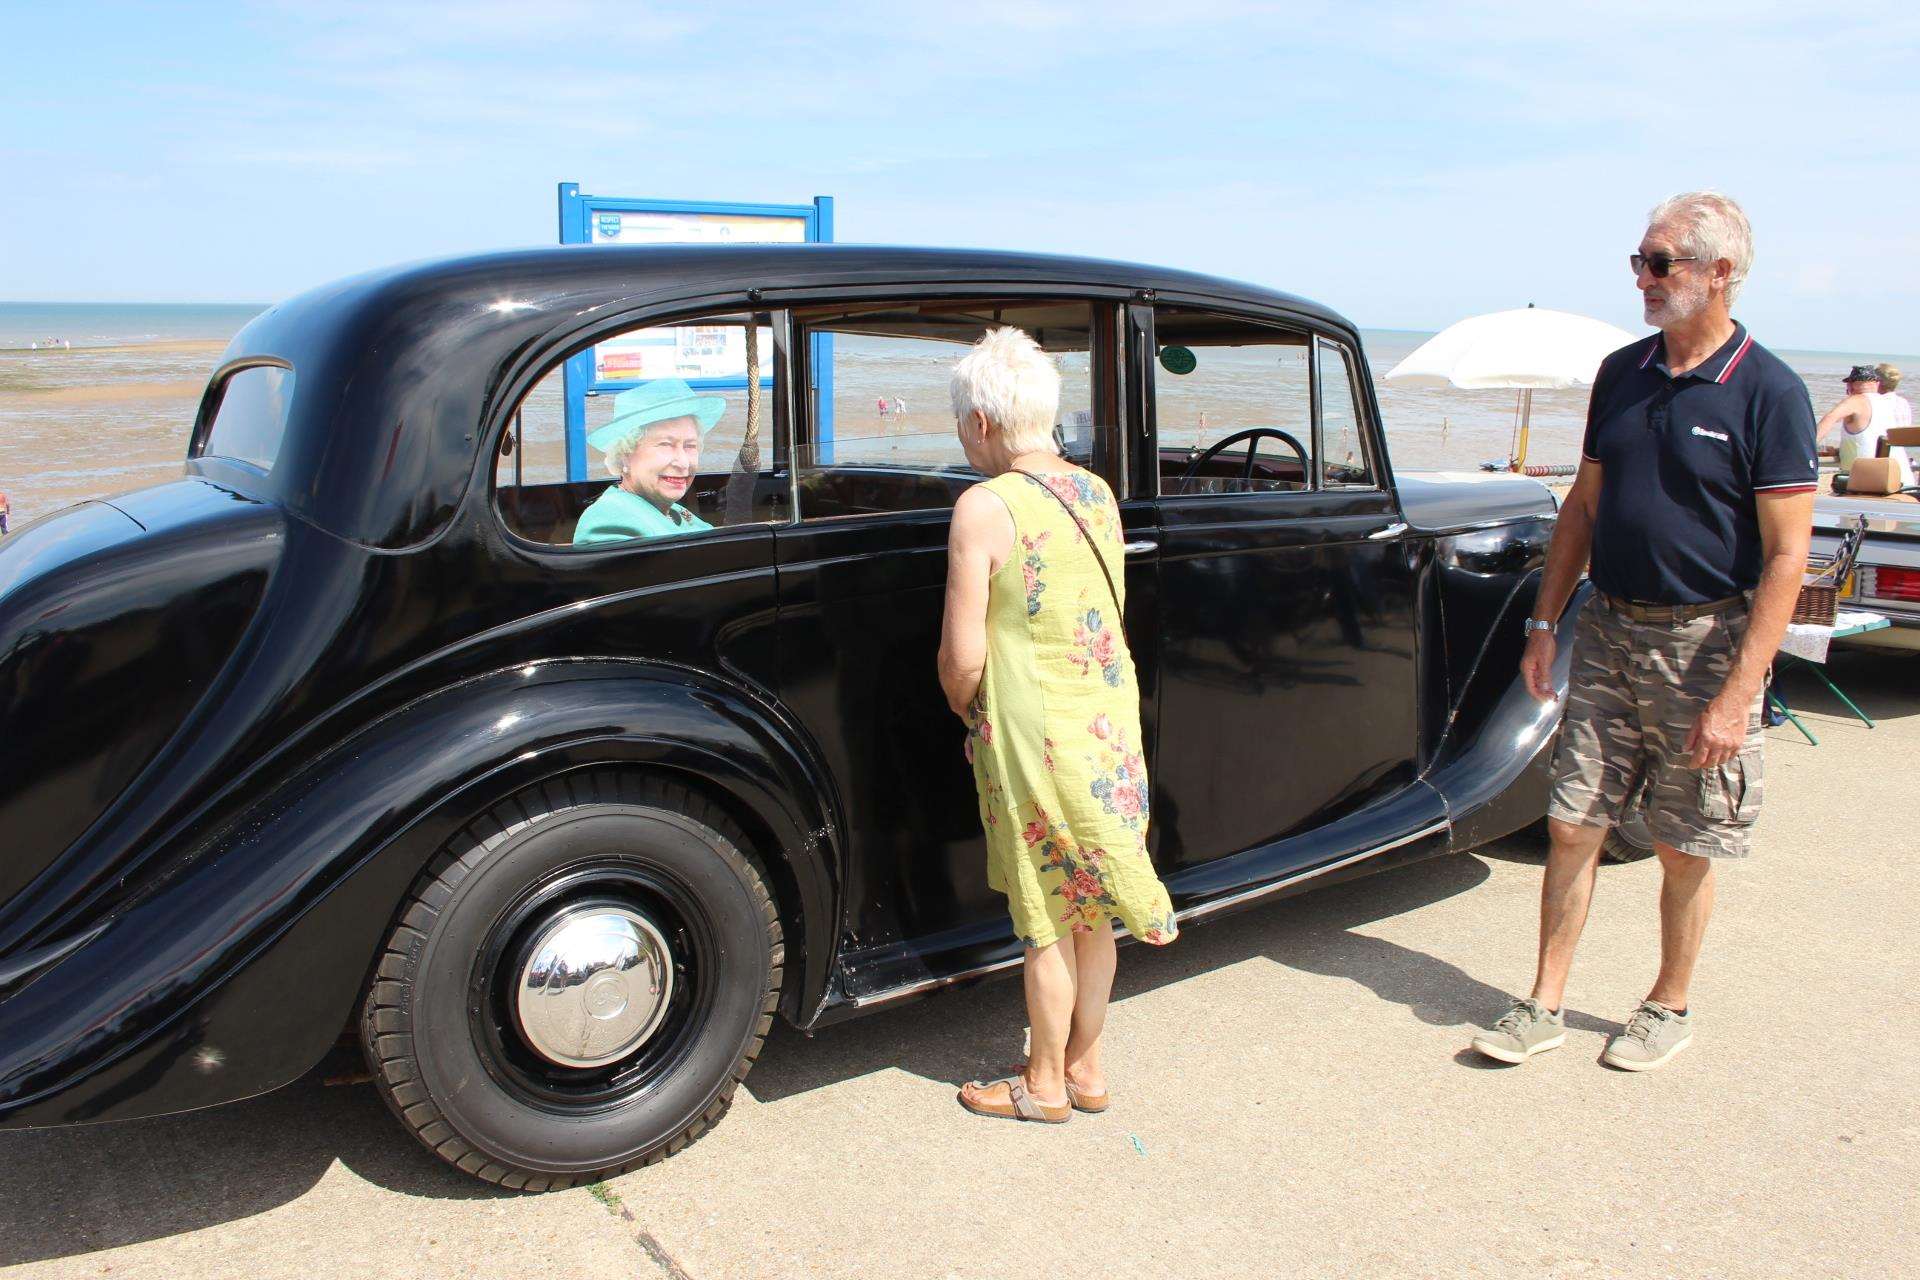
(1717, 367)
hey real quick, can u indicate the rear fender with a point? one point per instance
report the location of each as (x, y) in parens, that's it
(238, 970)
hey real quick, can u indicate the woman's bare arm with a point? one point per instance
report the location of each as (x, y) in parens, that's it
(978, 543)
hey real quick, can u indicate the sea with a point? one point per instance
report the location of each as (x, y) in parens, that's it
(96, 399)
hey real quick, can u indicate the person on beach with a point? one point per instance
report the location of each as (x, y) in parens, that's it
(1890, 388)
(6, 510)
(1902, 413)
(1034, 660)
(1694, 505)
(1862, 419)
(652, 448)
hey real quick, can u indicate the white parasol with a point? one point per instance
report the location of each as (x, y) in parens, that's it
(1530, 349)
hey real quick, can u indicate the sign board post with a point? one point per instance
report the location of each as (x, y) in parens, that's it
(704, 352)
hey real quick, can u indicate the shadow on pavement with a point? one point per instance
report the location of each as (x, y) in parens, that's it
(81, 1189)
(960, 1036)
(77, 1190)
(1884, 685)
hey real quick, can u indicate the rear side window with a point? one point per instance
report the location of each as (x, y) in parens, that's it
(251, 417)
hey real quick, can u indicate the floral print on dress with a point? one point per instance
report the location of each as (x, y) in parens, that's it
(1054, 735)
(1120, 779)
(1083, 885)
(1030, 567)
(1096, 648)
(980, 728)
(1083, 491)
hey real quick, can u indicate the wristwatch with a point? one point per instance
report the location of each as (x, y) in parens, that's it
(1532, 625)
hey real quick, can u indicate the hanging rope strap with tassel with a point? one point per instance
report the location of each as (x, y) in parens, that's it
(740, 486)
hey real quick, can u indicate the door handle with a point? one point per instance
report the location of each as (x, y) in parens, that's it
(1393, 530)
(1144, 545)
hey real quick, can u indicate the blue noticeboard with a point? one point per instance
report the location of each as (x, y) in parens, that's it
(586, 219)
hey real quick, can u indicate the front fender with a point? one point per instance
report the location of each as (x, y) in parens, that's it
(236, 972)
(1495, 777)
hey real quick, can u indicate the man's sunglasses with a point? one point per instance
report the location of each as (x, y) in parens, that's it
(1658, 263)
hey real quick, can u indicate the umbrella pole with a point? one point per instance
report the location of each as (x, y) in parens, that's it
(1526, 422)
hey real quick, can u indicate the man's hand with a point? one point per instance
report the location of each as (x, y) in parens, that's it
(1536, 665)
(1718, 731)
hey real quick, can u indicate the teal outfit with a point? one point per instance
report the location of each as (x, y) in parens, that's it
(616, 516)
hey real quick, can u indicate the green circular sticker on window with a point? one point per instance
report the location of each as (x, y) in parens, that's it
(1177, 360)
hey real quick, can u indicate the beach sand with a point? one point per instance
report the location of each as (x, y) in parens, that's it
(160, 347)
(92, 421)
(110, 393)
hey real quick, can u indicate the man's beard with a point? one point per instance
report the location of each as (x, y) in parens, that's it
(1683, 303)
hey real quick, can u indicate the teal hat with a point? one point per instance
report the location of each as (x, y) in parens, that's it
(656, 401)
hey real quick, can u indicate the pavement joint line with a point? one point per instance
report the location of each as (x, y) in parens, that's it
(648, 1242)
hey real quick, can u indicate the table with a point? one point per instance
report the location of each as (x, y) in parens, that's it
(1807, 643)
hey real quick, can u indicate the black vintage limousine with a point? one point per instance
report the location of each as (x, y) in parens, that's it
(341, 729)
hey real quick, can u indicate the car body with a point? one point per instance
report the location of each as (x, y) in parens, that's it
(301, 738)
(1886, 575)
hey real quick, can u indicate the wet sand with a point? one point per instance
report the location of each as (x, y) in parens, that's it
(87, 422)
(116, 393)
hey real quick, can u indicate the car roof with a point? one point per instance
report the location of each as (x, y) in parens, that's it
(396, 370)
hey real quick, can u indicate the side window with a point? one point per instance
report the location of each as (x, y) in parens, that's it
(879, 434)
(1233, 410)
(1345, 463)
(678, 449)
(251, 417)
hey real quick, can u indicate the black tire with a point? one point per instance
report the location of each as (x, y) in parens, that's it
(1617, 848)
(1631, 838)
(449, 1056)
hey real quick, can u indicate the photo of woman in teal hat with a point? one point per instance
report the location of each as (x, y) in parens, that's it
(652, 447)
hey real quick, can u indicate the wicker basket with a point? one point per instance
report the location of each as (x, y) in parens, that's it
(1815, 605)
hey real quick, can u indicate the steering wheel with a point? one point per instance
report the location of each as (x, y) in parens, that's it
(1251, 436)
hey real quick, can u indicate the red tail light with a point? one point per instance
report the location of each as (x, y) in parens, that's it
(1892, 584)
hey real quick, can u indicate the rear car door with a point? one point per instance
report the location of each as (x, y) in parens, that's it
(862, 591)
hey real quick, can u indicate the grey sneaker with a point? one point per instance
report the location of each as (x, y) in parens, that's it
(1654, 1034)
(1525, 1030)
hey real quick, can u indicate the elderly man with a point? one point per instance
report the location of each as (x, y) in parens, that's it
(1694, 503)
(1863, 417)
(652, 446)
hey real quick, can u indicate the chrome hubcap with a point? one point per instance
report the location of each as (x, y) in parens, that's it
(594, 984)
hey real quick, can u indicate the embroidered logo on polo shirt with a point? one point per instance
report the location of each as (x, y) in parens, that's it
(1721, 436)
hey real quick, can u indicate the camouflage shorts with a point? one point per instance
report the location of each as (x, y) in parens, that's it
(1635, 690)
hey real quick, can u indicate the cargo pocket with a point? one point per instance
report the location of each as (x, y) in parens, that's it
(1731, 792)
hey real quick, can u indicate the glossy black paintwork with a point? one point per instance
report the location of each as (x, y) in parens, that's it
(118, 621)
(1282, 620)
(298, 685)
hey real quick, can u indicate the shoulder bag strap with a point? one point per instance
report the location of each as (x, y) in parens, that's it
(1119, 611)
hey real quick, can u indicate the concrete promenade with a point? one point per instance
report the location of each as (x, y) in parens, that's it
(1293, 1093)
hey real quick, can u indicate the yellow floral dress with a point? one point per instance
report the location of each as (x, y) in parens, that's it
(1054, 735)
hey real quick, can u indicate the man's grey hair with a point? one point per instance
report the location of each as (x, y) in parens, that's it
(1710, 226)
(1010, 380)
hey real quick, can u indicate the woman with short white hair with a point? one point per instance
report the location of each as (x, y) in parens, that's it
(1034, 659)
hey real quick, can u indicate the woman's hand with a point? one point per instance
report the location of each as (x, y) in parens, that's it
(978, 543)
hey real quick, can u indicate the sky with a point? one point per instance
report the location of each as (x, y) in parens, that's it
(1405, 164)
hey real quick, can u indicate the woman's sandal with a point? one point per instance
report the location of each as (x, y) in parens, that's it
(1020, 1104)
(1091, 1103)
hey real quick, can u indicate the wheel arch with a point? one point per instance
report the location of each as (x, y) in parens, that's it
(236, 974)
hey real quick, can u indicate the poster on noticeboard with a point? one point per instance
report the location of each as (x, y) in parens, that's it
(690, 351)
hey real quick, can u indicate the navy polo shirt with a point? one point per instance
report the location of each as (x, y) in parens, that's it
(1682, 460)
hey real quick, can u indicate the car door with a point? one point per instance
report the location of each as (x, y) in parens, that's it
(1288, 664)
(862, 591)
